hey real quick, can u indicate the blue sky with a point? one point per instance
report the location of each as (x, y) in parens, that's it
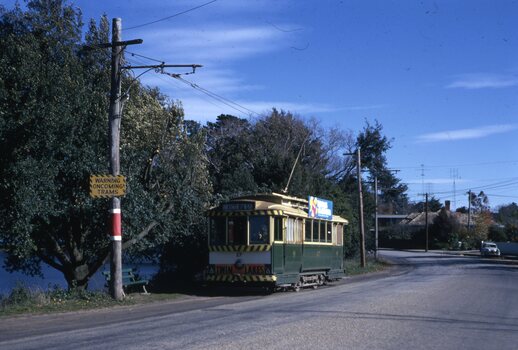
(440, 76)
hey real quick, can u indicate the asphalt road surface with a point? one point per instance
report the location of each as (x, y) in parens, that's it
(429, 301)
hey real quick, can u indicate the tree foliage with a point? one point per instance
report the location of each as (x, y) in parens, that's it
(53, 134)
(53, 103)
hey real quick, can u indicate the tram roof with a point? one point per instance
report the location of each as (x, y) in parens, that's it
(278, 202)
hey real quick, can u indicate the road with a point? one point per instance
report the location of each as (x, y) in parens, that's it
(430, 301)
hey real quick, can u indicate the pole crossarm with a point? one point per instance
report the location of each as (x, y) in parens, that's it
(157, 66)
(113, 44)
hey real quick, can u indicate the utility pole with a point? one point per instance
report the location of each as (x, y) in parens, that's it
(469, 212)
(426, 220)
(114, 119)
(114, 122)
(360, 195)
(376, 215)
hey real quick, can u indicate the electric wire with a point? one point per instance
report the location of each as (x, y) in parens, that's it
(169, 17)
(234, 105)
(146, 57)
(176, 83)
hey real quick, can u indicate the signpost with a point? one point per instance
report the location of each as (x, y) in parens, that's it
(107, 186)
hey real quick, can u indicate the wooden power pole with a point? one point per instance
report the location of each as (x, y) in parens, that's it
(114, 119)
(426, 220)
(360, 194)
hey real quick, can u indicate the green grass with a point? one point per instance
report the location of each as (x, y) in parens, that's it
(352, 266)
(23, 300)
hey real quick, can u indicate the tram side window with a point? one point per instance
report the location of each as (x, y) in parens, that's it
(297, 231)
(329, 237)
(278, 229)
(322, 231)
(315, 230)
(309, 223)
(339, 234)
(259, 229)
(237, 230)
(290, 234)
(217, 230)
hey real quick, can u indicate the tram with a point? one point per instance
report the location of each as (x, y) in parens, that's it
(275, 240)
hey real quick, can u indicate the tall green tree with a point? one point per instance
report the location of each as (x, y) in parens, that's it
(374, 147)
(53, 133)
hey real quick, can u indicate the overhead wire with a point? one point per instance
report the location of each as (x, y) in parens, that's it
(178, 76)
(172, 16)
(146, 57)
(234, 105)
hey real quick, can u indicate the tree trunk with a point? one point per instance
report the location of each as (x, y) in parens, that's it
(78, 277)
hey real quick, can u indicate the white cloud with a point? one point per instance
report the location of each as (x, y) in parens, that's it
(362, 108)
(484, 81)
(215, 42)
(464, 134)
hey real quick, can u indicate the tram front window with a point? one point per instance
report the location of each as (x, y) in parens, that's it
(259, 230)
(217, 231)
(237, 230)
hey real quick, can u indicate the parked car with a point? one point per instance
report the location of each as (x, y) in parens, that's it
(489, 249)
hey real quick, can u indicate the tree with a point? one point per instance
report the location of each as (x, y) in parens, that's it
(507, 215)
(479, 203)
(445, 227)
(230, 150)
(53, 101)
(374, 146)
(434, 205)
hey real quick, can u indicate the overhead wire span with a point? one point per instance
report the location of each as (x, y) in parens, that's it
(169, 17)
(146, 57)
(234, 105)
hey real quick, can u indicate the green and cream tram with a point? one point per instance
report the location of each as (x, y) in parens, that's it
(275, 240)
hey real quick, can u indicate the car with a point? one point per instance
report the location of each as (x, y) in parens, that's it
(489, 249)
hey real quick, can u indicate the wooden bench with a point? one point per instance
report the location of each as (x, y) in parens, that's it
(129, 278)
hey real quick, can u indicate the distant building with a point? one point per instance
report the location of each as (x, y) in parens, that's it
(418, 220)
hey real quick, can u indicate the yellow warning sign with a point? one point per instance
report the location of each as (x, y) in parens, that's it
(106, 186)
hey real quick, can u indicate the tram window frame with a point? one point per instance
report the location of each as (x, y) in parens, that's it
(290, 230)
(315, 230)
(329, 232)
(298, 230)
(243, 236)
(278, 229)
(307, 234)
(214, 222)
(322, 231)
(259, 229)
(340, 234)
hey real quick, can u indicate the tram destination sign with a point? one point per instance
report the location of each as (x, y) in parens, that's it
(238, 206)
(320, 208)
(107, 186)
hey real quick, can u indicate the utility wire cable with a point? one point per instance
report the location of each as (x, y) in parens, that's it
(146, 57)
(234, 105)
(169, 17)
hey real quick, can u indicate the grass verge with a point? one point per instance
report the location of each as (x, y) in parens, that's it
(352, 266)
(24, 300)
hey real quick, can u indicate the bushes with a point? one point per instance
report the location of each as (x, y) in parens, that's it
(23, 299)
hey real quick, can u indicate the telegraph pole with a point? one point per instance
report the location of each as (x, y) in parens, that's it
(469, 212)
(115, 110)
(114, 120)
(360, 194)
(376, 215)
(426, 220)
